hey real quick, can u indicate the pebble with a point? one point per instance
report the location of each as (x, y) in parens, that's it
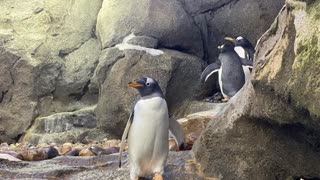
(72, 152)
(100, 151)
(173, 145)
(86, 152)
(8, 157)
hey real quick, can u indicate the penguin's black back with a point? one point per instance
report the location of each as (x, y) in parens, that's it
(232, 75)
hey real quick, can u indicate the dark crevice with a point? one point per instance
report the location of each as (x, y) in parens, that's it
(78, 96)
(65, 52)
(2, 95)
(218, 5)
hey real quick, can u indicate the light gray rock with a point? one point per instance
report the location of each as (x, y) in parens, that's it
(39, 39)
(271, 120)
(78, 126)
(165, 20)
(174, 71)
(97, 167)
(77, 70)
(144, 41)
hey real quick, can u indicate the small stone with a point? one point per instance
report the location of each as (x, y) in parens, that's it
(173, 145)
(67, 144)
(11, 153)
(100, 151)
(86, 152)
(191, 138)
(8, 157)
(65, 149)
(50, 151)
(72, 152)
(112, 143)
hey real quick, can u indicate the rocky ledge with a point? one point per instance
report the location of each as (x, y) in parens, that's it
(180, 165)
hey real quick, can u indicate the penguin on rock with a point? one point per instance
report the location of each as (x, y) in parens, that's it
(148, 130)
(230, 70)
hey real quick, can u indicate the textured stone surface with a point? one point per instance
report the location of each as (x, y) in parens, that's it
(174, 71)
(219, 18)
(178, 167)
(268, 123)
(164, 20)
(48, 53)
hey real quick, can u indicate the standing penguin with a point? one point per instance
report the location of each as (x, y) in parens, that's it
(148, 128)
(230, 71)
(245, 50)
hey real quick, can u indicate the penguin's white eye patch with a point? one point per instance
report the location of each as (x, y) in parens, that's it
(239, 38)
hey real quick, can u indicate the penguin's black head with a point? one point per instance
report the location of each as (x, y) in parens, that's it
(240, 41)
(227, 46)
(146, 86)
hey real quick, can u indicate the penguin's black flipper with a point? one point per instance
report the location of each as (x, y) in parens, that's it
(176, 131)
(251, 52)
(209, 70)
(125, 135)
(246, 62)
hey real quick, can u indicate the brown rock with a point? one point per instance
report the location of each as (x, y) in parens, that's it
(173, 145)
(64, 149)
(72, 152)
(190, 139)
(86, 152)
(112, 143)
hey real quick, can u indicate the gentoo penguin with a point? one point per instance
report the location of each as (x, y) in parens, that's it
(148, 129)
(245, 50)
(230, 71)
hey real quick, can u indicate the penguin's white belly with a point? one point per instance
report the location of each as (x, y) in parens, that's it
(247, 72)
(148, 136)
(240, 51)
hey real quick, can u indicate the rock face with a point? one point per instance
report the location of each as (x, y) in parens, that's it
(47, 51)
(165, 20)
(271, 120)
(219, 18)
(60, 58)
(175, 72)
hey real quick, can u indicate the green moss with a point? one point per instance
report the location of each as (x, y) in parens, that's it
(274, 26)
(313, 9)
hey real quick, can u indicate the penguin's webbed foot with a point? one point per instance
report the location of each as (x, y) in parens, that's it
(226, 99)
(157, 176)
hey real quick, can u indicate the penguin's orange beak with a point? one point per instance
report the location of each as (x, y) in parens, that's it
(135, 84)
(229, 39)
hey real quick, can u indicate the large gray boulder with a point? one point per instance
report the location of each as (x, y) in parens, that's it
(270, 129)
(48, 53)
(176, 72)
(164, 20)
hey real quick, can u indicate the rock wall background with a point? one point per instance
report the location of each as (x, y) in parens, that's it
(64, 75)
(270, 130)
